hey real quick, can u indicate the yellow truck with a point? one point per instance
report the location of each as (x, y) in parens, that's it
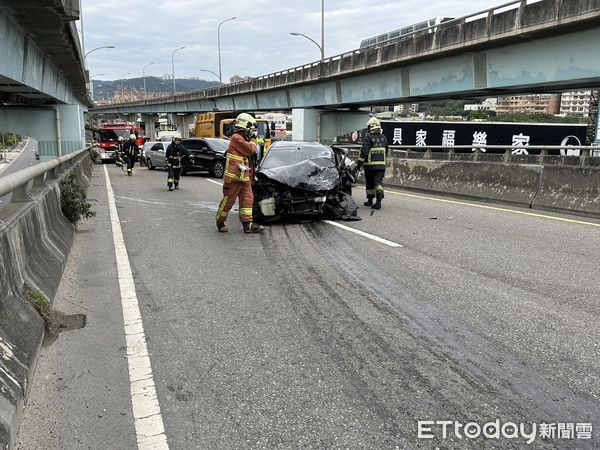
(220, 125)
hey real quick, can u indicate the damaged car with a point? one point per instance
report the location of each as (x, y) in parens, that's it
(302, 181)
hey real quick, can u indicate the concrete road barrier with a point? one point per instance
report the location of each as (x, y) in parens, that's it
(507, 183)
(35, 241)
(572, 189)
(564, 188)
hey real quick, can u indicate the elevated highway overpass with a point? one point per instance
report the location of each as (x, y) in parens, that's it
(43, 90)
(520, 46)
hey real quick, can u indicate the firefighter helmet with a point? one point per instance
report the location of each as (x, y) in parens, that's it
(246, 122)
(121, 139)
(374, 125)
(132, 137)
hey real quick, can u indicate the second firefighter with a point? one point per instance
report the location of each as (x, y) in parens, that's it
(174, 156)
(373, 157)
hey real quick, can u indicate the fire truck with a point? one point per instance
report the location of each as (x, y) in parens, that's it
(109, 133)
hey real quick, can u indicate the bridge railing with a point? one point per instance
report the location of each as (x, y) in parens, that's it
(589, 156)
(25, 182)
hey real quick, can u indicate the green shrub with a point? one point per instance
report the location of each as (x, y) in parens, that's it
(40, 303)
(73, 200)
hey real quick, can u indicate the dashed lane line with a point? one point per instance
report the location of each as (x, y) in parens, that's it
(350, 229)
(215, 182)
(363, 234)
(149, 427)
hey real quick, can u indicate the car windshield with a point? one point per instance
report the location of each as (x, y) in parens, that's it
(300, 165)
(218, 145)
(287, 155)
(113, 135)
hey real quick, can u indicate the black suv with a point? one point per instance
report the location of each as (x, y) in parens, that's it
(206, 154)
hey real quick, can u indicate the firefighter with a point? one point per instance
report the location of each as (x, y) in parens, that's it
(131, 150)
(373, 157)
(174, 157)
(119, 152)
(239, 172)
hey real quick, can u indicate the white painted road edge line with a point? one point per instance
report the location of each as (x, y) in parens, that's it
(363, 234)
(149, 428)
(216, 182)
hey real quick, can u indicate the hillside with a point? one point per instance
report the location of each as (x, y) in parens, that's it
(107, 89)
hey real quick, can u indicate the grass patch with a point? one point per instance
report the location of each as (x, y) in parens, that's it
(41, 304)
(73, 201)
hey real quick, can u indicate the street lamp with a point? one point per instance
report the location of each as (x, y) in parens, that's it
(173, 66)
(98, 48)
(219, 44)
(314, 42)
(322, 46)
(209, 71)
(128, 73)
(144, 77)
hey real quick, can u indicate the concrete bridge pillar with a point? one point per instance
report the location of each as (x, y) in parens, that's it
(149, 124)
(183, 121)
(59, 130)
(323, 125)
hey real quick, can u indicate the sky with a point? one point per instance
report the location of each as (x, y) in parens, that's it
(257, 42)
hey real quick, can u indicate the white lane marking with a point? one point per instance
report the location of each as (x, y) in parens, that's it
(149, 427)
(363, 234)
(344, 227)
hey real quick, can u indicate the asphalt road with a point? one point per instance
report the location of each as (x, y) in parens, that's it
(313, 336)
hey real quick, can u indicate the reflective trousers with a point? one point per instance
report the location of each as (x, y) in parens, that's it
(130, 162)
(374, 180)
(173, 176)
(231, 191)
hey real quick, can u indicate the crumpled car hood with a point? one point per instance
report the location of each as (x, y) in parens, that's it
(315, 175)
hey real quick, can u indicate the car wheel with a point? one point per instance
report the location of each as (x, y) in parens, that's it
(218, 169)
(149, 164)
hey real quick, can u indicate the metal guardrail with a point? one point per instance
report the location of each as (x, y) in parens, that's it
(20, 182)
(501, 21)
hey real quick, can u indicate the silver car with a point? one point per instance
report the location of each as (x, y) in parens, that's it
(154, 154)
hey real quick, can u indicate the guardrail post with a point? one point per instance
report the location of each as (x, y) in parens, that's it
(39, 182)
(21, 194)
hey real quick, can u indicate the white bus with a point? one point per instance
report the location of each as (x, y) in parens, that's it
(404, 31)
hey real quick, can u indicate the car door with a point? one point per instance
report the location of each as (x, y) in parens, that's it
(157, 153)
(206, 153)
(196, 161)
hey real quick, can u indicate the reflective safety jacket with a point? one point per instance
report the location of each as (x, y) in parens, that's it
(239, 165)
(130, 148)
(374, 150)
(175, 153)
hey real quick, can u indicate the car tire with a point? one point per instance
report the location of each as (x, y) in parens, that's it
(218, 169)
(149, 164)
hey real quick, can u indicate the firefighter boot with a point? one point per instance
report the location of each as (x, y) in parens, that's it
(251, 227)
(369, 201)
(176, 186)
(377, 204)
(222, 227)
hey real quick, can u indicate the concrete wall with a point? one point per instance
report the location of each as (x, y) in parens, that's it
(35, 241)
(571, 189)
